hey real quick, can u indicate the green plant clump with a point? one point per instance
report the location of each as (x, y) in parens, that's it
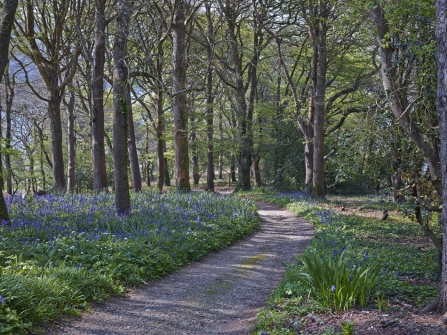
(335, 284)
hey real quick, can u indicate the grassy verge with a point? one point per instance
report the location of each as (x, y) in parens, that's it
(404, 257)
(61, 252)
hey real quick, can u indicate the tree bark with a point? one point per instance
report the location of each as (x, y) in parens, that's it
(256, 170)
(179, 103)
(7, 20)
(57, 155)
(121, 109)
(160, 142)
(210, 175)
(98, 146)
(9, 97)
(441, 106)
(132, 148)
(318, 31)
(71, 180)
(195, 154)
(6, 23)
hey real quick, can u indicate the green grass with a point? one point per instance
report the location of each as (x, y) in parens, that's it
(397, 246)
(62, 252)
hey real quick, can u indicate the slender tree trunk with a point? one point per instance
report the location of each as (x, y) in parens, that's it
(396, 178)
(319, 102)
(233, 169)
(98, 146)
(195, 154)
(167, 180)
(42, 170)
(221, 150)
(9, 97)
(160, 142)
(308, 128)
(209, 122)
(32, 178)
(132, 148)
(256, 170)
(71, 180)
(179, 103)
(441, 106)
(121, 109)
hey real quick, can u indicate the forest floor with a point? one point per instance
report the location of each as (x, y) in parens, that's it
(222, 293)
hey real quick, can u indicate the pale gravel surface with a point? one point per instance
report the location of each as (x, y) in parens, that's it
(221, 294)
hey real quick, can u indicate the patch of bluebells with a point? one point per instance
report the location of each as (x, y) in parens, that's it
(295, 196)
(330, 235)
(170, 223)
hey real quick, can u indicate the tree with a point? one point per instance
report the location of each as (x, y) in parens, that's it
(99, 51)
(54, 51)
(179, 100)
(6, 23)
(121, 108)
(71, 179)
(441, 106)
(239, 73)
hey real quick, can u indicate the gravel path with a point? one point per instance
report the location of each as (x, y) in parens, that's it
(221, 294)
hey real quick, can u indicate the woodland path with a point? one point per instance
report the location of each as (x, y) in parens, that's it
(220, 294)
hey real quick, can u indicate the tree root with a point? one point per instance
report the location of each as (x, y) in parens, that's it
(432, 306)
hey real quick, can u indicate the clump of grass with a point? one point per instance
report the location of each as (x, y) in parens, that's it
(333, 283)
(62, 252)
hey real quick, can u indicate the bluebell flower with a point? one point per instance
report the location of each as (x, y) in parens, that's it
(2, 300)
(333, 288)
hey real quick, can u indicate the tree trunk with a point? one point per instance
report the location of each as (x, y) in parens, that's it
(6, 23)
(396, 178)
(308, 129)
(121, 109)
(233, 169)
(98, 146)
(9, 97)
(160, 142)
(179, 103)
(71, 181)
(195, 155)
(132, 148)
(167, 180)
(318, 37)
(256, 170)
(57, 154)
(220, 151)
(209, 109)
(441, 106)
(7, 20)
(42, 170)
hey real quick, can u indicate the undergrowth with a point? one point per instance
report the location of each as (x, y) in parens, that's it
(398, 263)
(59, 253)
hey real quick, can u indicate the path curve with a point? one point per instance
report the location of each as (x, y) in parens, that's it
(220, 294)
